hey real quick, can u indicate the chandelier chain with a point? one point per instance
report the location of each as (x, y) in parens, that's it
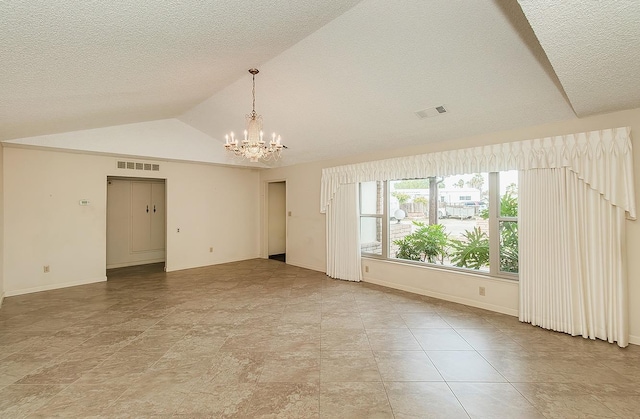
(253, 91)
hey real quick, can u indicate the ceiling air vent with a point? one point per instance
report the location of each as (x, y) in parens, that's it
(431, 112)
(139, 166)
(131, 165)
(155, 167)
(122, 165)
(147, 166)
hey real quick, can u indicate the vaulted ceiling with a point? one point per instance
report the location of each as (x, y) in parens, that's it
(336, 77)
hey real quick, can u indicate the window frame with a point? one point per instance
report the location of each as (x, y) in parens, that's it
(384, 221)
(494, 234)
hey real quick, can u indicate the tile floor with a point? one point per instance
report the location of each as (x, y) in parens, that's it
(263, 339)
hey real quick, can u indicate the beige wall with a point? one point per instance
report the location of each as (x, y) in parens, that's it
(306, 233)
(45, 225)
(1, 225)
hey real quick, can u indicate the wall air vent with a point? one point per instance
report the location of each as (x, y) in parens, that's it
(131, 165)
(431, 112)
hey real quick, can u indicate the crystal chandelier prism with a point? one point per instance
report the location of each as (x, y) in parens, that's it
(253, 147)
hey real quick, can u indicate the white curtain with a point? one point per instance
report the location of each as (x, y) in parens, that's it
(575, 193)
(343, 234)
(602, 158)
(572, 257)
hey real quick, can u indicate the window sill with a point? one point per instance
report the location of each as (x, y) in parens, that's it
(467, 272)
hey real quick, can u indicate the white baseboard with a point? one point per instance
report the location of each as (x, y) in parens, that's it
(54, 286)
(634, 339)
(446, 297)
(1, 298)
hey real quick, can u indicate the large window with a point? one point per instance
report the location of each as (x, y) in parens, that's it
(462, 222)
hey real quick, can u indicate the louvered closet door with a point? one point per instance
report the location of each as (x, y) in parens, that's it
(157, 216)
(140, 216)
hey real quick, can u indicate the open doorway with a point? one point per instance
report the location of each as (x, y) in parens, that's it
(277, 220)
(136, 222)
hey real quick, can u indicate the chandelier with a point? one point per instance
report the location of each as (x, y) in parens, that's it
(253, 147)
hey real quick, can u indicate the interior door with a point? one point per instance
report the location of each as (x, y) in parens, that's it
(158, 217)
(141, 207)
(277, 221)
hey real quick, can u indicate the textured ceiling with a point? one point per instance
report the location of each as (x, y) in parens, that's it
(69, 65)
(355, 84)
(336, 78)
(594, 47)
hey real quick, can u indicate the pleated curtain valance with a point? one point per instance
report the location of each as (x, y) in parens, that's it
(603, 159)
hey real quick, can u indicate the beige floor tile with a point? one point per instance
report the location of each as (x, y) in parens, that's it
(626, 406)
(291, 367)
(464, 366)
(440, 340)
(19, 400)
(424, 400)
(383, 321)
(392, 340)
(262, 338)
(413, 307)
(341, 321)
(494, 400)
(487, 339)
(65, 369)
(15, 366)
(121, 367)
(348, 366)
(344, 340)
(354, 400)
(406, 366)
(81, 401)
(467, 321)
(149, 397)
(564, 401)
(311, 317)
(282, 400)
(235, 367)
(377, 305)
(424, 320)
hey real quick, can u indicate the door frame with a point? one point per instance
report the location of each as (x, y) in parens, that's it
(265, 216)
(166, 211)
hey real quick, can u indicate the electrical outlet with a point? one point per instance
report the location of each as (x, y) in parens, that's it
(211, 250)
(178, 230)
(46, 269)
(481, 291)
(366, 269)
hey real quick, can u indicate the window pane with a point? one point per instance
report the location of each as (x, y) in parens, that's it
(508, 193)
(371, 235)
(457, 234)
(371, 199)
(509, 246)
